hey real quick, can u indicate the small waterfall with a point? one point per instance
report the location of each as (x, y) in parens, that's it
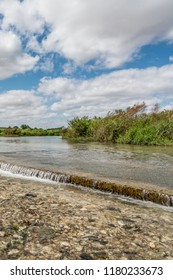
(34, 173)
(156, 196)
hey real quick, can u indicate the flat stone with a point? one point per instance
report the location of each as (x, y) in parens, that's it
(64, 244)
(13, 252)
(2, 233)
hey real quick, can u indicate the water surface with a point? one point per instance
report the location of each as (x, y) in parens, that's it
(152, 165)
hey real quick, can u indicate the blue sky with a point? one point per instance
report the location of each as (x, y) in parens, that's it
(65, 58)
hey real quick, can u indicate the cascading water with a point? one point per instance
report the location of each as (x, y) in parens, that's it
(33, 173)
(156, 196)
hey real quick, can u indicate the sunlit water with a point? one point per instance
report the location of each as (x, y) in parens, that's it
(152, 165)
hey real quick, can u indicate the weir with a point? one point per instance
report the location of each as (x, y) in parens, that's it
(163, 197)
(33, 173)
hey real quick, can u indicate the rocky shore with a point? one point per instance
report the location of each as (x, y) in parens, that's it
(52, 221)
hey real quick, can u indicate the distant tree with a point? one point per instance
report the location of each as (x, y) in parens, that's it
(24, 126)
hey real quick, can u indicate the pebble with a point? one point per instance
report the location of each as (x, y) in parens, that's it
(2, 233)
(13, 252)
(64, 244)
(76, 224)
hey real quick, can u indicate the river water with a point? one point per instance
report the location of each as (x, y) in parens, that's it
(153, 165)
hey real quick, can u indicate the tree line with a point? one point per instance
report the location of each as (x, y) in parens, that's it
(26, 130)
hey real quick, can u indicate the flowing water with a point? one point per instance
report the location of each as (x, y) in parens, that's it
(49, 215)
(153, 165)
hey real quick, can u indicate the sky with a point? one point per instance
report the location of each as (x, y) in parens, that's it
(60, 59)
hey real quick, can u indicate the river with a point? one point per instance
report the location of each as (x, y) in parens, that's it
(41, 218)
(151, 165)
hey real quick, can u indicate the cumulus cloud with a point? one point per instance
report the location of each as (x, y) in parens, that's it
(22, 15)
(110, 33)
(115, 90)
(12, 58)
(89, 34)
(21, 106)
(27, 106)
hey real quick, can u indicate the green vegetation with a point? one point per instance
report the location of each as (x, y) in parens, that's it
(131, 126)
(25, 130)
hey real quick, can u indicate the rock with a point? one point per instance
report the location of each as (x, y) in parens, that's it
(47, 250)
(85, 256)
(46, 233)
(103, 242)
(64, 245)
(79, 248)
(106, 228)
(100, 255)
(113, 209)
(13, 252)
(152, 245)
(90, 220)
(2, 233)
(30, 195)
(84, 209)
(92, 238)
(104, 232)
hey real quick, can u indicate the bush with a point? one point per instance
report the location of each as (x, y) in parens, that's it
(131, 126)
(78, 127)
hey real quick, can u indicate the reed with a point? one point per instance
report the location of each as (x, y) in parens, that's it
(134, 125)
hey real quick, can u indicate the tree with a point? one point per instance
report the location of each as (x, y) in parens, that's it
(24, 126)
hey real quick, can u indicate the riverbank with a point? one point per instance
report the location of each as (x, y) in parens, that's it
(135, 125)
(48, 221)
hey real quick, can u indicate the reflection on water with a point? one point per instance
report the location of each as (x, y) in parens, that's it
(123, 162)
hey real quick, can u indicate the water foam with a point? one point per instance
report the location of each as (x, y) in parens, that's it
(31, 173)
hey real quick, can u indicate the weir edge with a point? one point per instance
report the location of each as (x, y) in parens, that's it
(159, 196)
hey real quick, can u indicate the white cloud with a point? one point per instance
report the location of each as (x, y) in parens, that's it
(23, 15)
(109, 32)
(19, 106)
(33, 44)
(171, 58)
(12, 59)
(26, 106)
(19, 99)
(60, 99)
(46, 65)
(116, 90)
(68, 68)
